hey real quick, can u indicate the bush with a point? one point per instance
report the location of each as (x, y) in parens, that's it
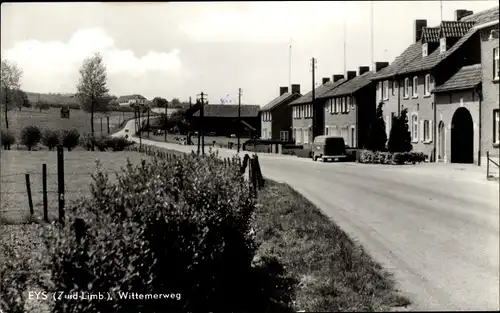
(86, 141)
(50, 138)
(30, 136)
(180, 228)
(7, 138)
(101, 143)
(118, 143)
(400, 136)
(377, 136)
(378, 157)
(69, 138)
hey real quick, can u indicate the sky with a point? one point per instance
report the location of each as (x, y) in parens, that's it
(180, 49)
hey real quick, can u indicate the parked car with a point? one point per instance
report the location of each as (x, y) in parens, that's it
(329, 148)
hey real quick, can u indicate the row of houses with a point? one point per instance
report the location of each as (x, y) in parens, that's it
(447, 79)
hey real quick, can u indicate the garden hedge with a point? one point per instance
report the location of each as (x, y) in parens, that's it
(377, 157)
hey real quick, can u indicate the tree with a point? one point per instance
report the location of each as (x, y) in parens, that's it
(42, 105)
(92, 88)
(159, 102)
(377, 137)
(400, 137)
(10, 82)
(176, 103)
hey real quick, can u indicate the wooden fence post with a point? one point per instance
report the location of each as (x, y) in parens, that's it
(60, 182)
(44, 190)
(107, 117)
(487, 164)
(28, 189)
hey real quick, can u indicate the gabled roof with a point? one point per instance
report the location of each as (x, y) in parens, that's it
(430, 34)
(350, 86)
(455, 29)
(483, 16)
(229, 110)
(286, 97)
(318, 92)
(130, 97)
(411, 53)
(467, 77)
(421, 63)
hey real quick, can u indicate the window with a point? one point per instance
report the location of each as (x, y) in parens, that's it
(335, 105)
(284, 135)
(306, 136)
(327, 105)
(394, 87)
(496, 72)
(298, 139)
(427, 85)
(353, 103)
(385, 90)
(415, 86)
(326, 130)
(294, 134)
(442, 45)
(427, 131)
(387, 128)
(353, 136)
(407, 83)
(348, 104)
(414, 127)
(496, 127)
(424, 50)
(379, 91)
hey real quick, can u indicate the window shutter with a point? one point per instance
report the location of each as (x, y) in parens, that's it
(431, 131)
(421, 131)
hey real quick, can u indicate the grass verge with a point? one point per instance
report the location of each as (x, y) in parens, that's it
(335, 273)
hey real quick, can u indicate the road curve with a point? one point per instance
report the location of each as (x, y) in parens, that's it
(437, 231)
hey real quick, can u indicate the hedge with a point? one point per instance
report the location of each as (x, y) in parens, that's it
(7, 139)
(182, 228)
(377, 157)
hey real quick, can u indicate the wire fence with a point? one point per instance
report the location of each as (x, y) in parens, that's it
(37, 192)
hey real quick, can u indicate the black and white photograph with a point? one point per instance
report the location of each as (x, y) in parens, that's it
(259, 156)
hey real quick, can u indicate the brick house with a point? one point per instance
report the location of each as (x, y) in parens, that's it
(130, 100)
(276, 116)
(302, 111)
(350, 107)
(222, 119)
(437, 55)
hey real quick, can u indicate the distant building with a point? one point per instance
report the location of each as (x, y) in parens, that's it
(276, 116)
(132, 100)
(222, 119)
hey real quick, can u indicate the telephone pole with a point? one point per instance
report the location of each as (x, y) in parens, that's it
(202, 115)
(239, 118)
(313, 68)
(166, 120)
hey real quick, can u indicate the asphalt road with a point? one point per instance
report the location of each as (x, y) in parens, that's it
(435, 228)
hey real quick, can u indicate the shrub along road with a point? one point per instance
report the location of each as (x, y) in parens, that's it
(439, 234)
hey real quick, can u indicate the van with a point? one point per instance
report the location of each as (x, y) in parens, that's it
(329, 148)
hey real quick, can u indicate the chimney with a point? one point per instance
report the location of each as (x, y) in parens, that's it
(283, 90)
(380, 65)
(419, 25)
(325, 80)
(295, 89)
(351, 74)
(363, 69)
(460, 14)
(337, 77)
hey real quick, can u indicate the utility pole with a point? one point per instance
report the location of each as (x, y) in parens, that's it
(202, 115)
(166, 119)
(239, 118)
(190, 102)
(313, 65)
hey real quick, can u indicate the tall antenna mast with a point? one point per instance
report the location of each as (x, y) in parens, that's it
(345, 67)
(441, 4)
(372, 39)
(290, 66)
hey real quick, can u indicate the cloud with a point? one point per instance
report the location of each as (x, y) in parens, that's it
(268, 21)
(53, 66)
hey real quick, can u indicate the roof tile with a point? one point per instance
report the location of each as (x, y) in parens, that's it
(229, 110)
(319, 91)
(467, 77)
(483, 16)
(279, 100)
(430, 34)
(410, 54)
(350, 86)
(455, 29)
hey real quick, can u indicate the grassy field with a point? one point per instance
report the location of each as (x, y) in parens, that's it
(51, 119)
(14, 205)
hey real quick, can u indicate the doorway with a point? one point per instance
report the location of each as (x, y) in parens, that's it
(462, 137)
